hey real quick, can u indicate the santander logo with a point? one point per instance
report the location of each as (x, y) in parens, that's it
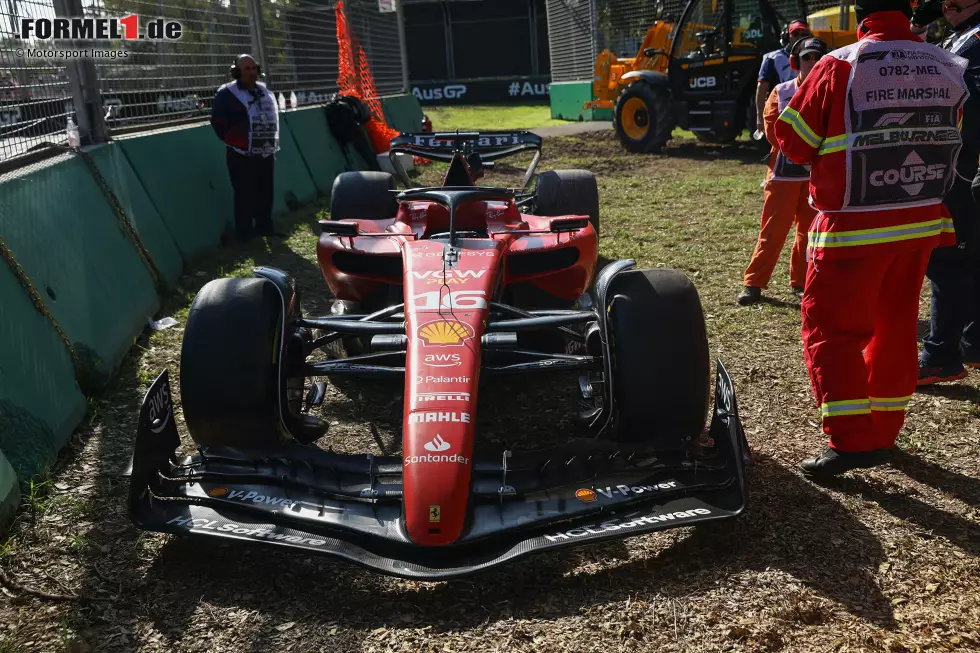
(437, 444)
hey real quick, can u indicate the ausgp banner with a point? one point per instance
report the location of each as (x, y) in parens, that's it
(516, 89)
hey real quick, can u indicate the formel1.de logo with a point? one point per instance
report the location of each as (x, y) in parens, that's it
(126, 28)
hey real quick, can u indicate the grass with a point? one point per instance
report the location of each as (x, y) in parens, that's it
(886, 560)
(37, 494)
(524, 116)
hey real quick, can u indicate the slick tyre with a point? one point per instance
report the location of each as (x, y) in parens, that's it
(229, 364)
(364, 196)
(643, 118)
(659, 358)
(568, 192)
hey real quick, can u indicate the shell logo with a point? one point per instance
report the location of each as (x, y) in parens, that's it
(218, 492)
(445, 333)
(585, 495)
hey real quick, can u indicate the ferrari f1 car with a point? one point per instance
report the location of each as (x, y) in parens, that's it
(445, 287)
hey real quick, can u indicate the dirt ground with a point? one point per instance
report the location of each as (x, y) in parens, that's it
(886, 560)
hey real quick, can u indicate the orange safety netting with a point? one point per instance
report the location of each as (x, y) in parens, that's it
(354, 78)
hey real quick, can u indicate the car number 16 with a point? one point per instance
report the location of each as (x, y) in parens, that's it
(436, 299)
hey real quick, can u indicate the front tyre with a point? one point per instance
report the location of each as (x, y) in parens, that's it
(229, 364)
(660, 360)
(643, 117)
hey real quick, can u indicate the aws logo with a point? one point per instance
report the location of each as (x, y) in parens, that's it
(443, 360)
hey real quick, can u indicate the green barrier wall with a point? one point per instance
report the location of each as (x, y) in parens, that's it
(173, 185)
(40, 403)
(317, 147)
(143, 214)
(57, 222)
(184, 173)
(293, 184)
(403, 112)
(567, 99)
(9, 492)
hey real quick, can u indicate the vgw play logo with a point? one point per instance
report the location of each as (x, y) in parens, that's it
(126, 28)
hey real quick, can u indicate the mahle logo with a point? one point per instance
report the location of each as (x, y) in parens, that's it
(99, 29)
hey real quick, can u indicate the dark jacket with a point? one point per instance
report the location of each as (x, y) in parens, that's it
(229, 117)
(965, 42)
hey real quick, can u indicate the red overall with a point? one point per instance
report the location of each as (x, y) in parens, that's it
(787, 191)
(878, 120)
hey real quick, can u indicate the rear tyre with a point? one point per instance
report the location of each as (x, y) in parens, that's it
(568, 192)
(364, 196)
(229, 364)
(643, 117)
(659, 358)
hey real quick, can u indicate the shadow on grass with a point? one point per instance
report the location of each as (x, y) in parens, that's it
(962, 533)
(789, 526)
(780, 303)
(955, 391)
(741, 151)
(922, 329)
(964, 488)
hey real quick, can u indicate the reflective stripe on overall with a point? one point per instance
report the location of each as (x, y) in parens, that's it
(784, 169)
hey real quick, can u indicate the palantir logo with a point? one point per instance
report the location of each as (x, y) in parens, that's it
(437, 444)
(99, 29)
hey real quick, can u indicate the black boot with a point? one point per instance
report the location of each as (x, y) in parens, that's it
(832, 462)
(749, 295)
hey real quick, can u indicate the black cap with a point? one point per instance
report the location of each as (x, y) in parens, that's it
(811, 45)
(864, 8)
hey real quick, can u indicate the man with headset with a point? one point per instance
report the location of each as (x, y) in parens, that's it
(954, 271)
(245, 116)
(775, 67)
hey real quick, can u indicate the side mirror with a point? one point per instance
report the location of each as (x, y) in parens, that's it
(571, 223)
(339, 228)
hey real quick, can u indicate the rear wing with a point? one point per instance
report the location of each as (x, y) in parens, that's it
(443, 146)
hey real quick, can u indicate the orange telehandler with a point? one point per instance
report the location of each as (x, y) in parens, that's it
(699, 73)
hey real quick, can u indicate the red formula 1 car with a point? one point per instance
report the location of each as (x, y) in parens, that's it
(445, 287)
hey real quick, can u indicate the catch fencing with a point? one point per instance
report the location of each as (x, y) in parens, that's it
(146, 84)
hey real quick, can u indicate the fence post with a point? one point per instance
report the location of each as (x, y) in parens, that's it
(84, 84)
(258, 33)
(406, 88)
(844, 16)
